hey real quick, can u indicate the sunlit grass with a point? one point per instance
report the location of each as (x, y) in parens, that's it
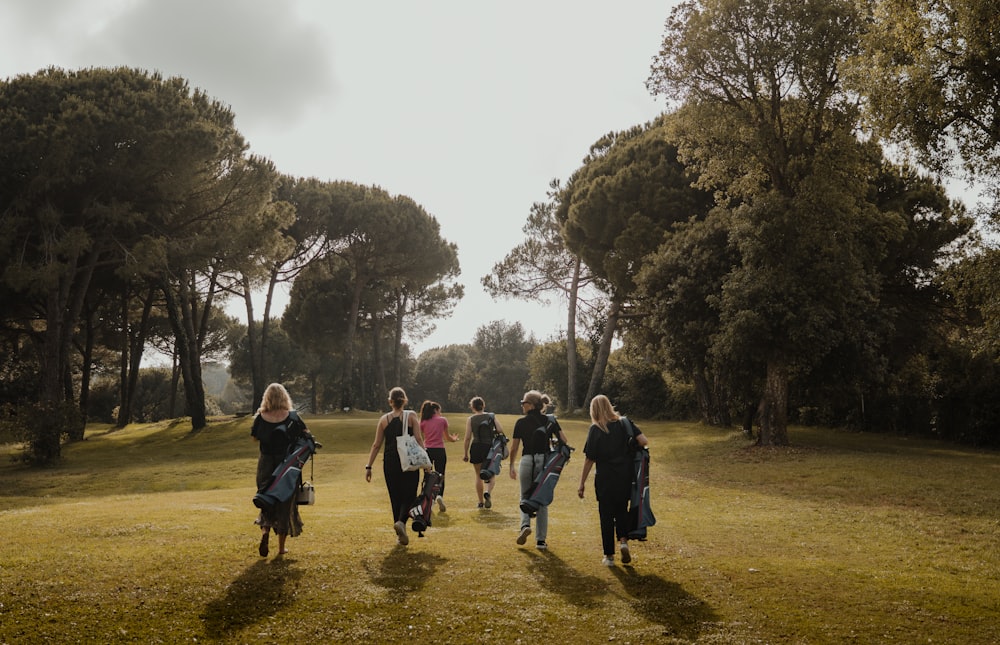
(145, 535)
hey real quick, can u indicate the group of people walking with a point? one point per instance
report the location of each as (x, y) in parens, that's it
(608, 447)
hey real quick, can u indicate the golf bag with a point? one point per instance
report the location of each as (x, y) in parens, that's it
(284, 481)
(498, 452)
(640, 512)
(545, 482)
(423, 505)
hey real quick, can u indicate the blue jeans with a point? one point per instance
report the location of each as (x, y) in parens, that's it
(530, 466)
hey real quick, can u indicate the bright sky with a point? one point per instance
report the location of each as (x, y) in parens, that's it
(469, 107)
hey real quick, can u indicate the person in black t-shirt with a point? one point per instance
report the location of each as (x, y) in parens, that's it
(608, 447)
(534, 431)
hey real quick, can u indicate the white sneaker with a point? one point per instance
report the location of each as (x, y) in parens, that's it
(441, 505)
(522, 537)
(608, 561)
(404, 539)
(626, 556)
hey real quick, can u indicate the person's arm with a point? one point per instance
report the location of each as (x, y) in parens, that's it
(638, 436)
(587, 465)
(562, 435)
(448, 435)
(515, 445)
(379, 438)
(468, 437)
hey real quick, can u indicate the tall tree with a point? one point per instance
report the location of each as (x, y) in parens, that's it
(616, 209)
(929, 75)
(769, 127)
(114, 168)
(391, 243)
(542, 264)
(289, 236)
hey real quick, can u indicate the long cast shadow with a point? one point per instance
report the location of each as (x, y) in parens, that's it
(404, 570)
(666, 603)
(258, 593)
(557, 577)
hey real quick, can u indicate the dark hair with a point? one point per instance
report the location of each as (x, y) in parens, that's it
(428, 409)
(397, 398)
(477, 404)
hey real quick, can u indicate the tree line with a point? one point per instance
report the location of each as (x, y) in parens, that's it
(778, 246)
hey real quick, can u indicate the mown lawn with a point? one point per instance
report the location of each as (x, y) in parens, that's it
(145, 535)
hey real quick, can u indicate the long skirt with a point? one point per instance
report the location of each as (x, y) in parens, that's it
(283, 518)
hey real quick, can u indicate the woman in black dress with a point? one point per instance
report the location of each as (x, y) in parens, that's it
(402, 485)
(276, 427)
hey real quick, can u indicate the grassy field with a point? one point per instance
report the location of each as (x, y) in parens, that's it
(145, 535)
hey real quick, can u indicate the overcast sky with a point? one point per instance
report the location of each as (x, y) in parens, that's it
(469, 107)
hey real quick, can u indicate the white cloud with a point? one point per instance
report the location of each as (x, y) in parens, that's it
(272, 67)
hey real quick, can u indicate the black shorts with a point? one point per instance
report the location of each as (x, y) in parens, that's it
(478, 452)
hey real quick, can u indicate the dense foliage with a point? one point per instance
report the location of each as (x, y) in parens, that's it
(755, 255)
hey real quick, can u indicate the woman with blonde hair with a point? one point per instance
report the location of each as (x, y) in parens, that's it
(608, 446)
(402, 485)
(276, 426)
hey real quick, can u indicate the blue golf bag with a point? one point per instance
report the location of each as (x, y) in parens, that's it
(498, 452)
(423, 506)
(640, 512)
(284, 481)
(546, 480)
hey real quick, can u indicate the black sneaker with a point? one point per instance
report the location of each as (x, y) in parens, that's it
(487, 503)
(541, 545)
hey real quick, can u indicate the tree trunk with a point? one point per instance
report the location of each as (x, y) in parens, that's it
(397, 348)
(87, 358)
(256, 352)
(571, 366)
(774, 415)
(138, 343)
(603, 353)
(124, 400)
(703, 395)
(347, 375)
(265, 333)
(377, 354)
(182, 320)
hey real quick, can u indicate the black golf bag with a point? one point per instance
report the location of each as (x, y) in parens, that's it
(498, 452)
(545, 481)
(640, 512)
(423, 505)
(284, 481)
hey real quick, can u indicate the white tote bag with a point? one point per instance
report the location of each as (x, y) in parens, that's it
(412, 455)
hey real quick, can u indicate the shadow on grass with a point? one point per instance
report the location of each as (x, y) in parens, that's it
(557, 577)
(258, 593)
(405, 570)
(665, 603)
(493, 519)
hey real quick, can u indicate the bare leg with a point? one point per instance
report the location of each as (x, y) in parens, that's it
(281, 544)
(479, 482)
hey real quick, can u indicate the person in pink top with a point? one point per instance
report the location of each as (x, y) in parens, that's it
(435, 430)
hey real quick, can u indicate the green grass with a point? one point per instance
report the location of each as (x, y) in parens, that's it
(145, 535)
